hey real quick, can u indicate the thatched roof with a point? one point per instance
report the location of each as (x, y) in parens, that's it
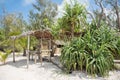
(37, 33)
(43, 34)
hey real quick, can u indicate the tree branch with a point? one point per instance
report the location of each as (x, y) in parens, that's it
(99, 3)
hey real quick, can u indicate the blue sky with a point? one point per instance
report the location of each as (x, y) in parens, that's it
(19, 6)
(24, 6)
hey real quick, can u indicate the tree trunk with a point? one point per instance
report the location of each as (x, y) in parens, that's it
(72, 30)
(99, 21)
(101, 14)
(118, 18)
(118, 22)
(4, 62)
(24, 52)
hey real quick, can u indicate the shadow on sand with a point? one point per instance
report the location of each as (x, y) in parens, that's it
(19, 62)
(22, 62)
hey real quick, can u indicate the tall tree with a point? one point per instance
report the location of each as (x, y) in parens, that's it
(44, 15)
(109, 12)
(11, 24)
(115, 4)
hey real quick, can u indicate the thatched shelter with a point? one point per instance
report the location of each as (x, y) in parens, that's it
(37, 33)
(40, 35)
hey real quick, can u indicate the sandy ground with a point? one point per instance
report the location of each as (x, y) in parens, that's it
(48, 71)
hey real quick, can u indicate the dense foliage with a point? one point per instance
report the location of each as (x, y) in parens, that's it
(73, 19)
(91, 52)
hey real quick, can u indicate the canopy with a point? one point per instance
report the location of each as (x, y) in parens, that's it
(37, 33)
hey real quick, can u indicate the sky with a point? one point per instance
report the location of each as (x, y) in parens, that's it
(19, 6)
(24, 6)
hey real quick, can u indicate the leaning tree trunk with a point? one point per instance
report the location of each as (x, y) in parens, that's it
(117, 14)
(118, 22)
(24, 51)
(101, 14)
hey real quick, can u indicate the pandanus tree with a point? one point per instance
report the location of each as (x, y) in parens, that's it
(93, 52)
(74, 16)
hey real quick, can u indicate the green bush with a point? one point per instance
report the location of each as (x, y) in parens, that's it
(91, 52)
(73, 55)
(99, 60)
(4, 56)
(115, 49)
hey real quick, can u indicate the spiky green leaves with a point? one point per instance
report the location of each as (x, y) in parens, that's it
(90, 52)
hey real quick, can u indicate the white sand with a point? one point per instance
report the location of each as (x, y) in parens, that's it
(48, 71)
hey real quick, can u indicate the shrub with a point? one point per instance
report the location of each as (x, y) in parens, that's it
(4, 56)
(99, 60)
(90, 52)
(115, 49)
(73, 55)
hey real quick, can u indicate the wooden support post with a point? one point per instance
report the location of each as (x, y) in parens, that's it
(50, 49)
(41, 50)
(35, 57)
(28, 47)
(14, 50)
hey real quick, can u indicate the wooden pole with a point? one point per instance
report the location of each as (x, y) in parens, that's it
(50, 49)
(35, 58)
(14, 50)
(28, 47)
(41, 50)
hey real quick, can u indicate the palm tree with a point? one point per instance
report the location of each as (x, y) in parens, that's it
(44, 17)
(73, 16)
